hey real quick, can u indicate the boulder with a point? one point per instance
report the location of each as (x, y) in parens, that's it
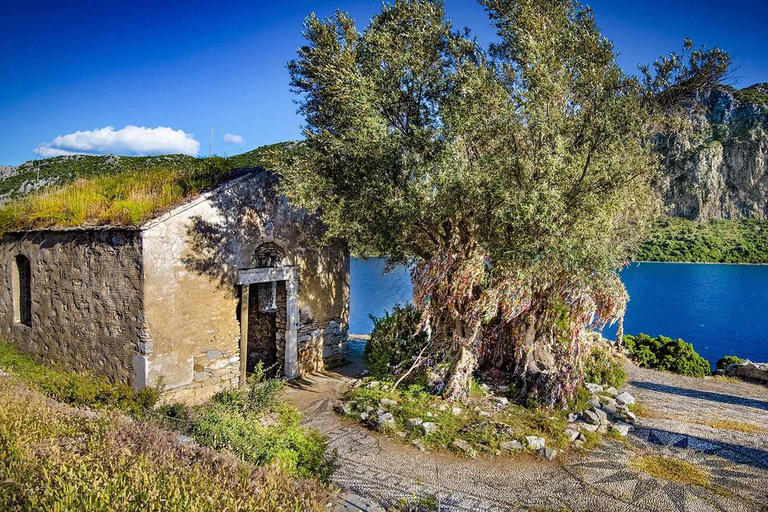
(427, 427)
(418, 444)
(386, 420)
(624, 399)
(589, 427)
(548, 453)
(535, 443)
(464, 446)
(363, 416)
(573, 417)
(456, 411)
(590, 416)
(572, 434)
(386, 402)
(622, 428)
(610, 406)
(343, 408)
(612, 391)
(412, 423)
(511, 446)
(600, 414)
(593, 388)
(749, 371)
(501, 400)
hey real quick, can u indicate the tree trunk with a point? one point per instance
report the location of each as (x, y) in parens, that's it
(537, 364)
(460, 378)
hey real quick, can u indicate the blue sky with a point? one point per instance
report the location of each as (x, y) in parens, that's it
(186, 66)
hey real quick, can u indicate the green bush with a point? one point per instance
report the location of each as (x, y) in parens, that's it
(393, 341)
(662, 353)
(77, 389)
(726, 361)
(256, 426)
(602, 368)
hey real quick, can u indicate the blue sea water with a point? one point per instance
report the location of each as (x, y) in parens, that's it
(721, 309)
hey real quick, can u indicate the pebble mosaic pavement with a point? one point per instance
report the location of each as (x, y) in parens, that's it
(376, 473)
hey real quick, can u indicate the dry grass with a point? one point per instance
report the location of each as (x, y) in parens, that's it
(53, 457)
(647, 412)
(740, 426)
(127, 198)
(673, 470)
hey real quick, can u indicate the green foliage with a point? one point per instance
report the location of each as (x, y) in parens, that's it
(717, 241)
(55, 458)
(77, 389)
(662, 353)
(602, 368)
(725, 361)
(756, 94)
(393, 341)
(116, 190)
(256, 425)
(516, 177)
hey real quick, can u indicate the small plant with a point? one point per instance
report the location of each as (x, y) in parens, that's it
(602, 368)
(726, 361)
(662, 353)
(394, 341)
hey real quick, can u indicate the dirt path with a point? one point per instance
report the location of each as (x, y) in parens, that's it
(385, 471)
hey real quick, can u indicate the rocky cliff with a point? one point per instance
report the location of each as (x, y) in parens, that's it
(717, 167)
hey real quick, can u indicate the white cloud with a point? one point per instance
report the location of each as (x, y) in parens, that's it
(231, 138)
(131, 140)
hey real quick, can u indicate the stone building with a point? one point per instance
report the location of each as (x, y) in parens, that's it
(194, 298)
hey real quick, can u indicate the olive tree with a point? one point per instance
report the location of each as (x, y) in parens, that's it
(516, 180)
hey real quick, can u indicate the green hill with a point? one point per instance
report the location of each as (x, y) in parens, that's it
(57, 171)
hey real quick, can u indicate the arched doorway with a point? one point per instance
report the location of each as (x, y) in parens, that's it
(269, 314)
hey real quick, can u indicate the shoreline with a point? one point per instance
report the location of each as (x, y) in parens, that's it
(696, 262)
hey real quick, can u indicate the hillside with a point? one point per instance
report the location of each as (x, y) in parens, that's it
(717, 167)
(54, 172)
(111, 190)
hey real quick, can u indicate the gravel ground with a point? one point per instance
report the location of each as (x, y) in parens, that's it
(378, 472)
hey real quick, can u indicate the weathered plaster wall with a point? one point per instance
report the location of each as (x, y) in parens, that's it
(191, 259)
(86, 299)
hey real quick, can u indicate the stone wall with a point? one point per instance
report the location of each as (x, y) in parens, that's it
(86, 299)
(191, 259)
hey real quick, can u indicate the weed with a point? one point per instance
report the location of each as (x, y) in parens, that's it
(671, 469)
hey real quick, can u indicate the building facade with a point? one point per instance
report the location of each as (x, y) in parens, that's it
(192, 300)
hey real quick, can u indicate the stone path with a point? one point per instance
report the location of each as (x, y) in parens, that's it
(373, 467)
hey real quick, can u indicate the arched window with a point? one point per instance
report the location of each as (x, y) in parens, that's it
(22, 291)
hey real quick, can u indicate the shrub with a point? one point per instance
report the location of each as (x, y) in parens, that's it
(394, 341)
(77, 389)
(662, 353)
(726, 361)
(602, 368)
(256, 426)
(53, 457)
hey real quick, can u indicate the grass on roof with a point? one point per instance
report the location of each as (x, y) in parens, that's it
(130, 192)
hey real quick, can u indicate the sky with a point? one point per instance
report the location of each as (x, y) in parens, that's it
(155, 77)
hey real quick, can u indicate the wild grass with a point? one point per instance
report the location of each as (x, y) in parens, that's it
(478, 426)
(739, 426)
(257, 426)
(108, 190)
(671, 469)
(76, 389)
(124, 199)
(54, 457)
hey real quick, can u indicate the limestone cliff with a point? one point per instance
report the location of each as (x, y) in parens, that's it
(717, 168)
